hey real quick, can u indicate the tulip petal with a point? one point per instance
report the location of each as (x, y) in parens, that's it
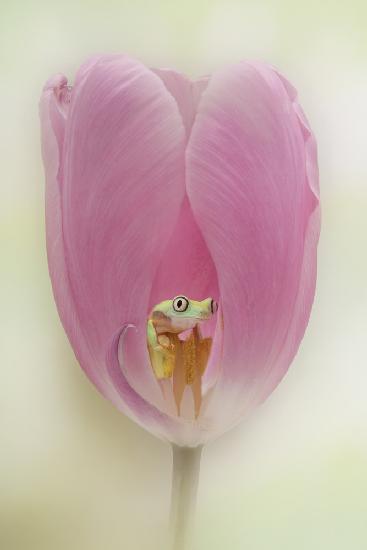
(122, 186)
(248, 180)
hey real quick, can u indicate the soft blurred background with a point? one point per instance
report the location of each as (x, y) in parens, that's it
(74, 473)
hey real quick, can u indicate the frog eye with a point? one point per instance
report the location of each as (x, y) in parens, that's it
(180, 303)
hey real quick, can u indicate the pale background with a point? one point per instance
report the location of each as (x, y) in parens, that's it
(74, 473)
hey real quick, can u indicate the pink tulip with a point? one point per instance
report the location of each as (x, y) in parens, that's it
(158, 186)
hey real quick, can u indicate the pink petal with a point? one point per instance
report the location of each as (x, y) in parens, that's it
(53, 112)
(122, 193)
(248, 169)
(122, 186)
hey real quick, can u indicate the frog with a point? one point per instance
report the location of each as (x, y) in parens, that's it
(184, 361)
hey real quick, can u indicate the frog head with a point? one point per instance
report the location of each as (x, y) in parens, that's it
(182, 313)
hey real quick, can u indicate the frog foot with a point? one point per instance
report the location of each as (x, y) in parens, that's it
(165, 344)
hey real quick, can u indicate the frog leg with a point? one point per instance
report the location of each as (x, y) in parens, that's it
(152, 336)
(161, 352)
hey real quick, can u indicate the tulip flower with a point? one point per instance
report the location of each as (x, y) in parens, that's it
(159, 187)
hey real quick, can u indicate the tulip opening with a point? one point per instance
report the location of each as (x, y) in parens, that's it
(178, 351)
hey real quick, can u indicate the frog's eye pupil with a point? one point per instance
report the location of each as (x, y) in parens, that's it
(180, 303)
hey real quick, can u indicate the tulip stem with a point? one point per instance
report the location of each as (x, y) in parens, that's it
(185, 480)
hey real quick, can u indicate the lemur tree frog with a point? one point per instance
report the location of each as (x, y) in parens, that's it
(182, 360)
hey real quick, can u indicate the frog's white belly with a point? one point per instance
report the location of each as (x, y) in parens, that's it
(176, 326)
(182, 324)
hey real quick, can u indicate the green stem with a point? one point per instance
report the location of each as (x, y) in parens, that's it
(185, 480)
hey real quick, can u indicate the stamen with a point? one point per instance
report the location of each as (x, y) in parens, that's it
(184, 361)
